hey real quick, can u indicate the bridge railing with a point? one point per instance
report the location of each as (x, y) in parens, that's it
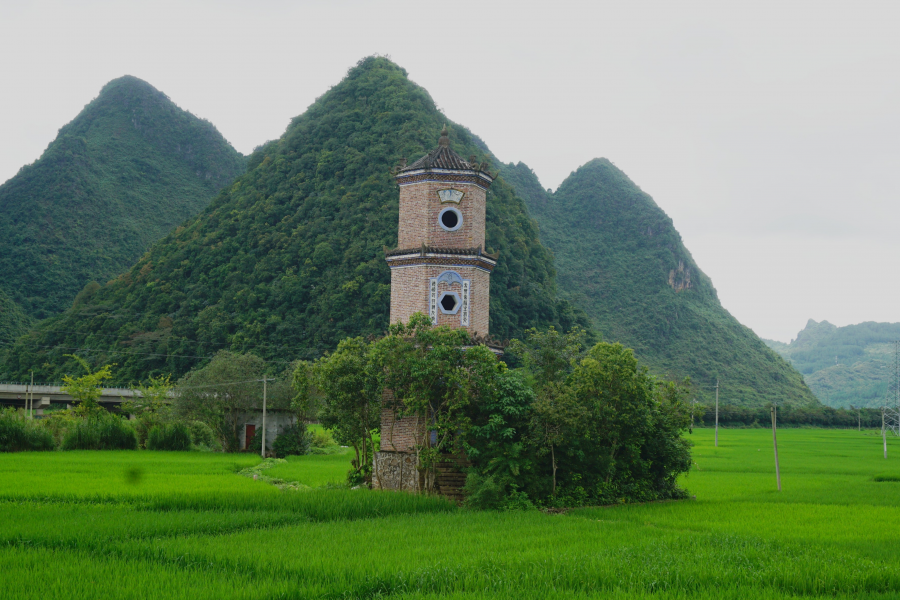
(62, 383)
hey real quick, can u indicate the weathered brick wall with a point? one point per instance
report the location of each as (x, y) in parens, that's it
(481, 302)
(420, 206)
(400, 435)
(410, 294)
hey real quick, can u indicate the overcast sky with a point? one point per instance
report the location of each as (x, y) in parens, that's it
(770, 133)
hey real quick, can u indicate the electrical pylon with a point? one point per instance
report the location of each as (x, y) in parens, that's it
(892, 398)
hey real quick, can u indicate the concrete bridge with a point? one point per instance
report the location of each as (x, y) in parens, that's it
(14, 394)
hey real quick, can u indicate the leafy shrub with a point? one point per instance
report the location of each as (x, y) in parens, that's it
(494, 492)
(170, 436)
(58, 423)
(18, 433)
(149, 407)
(102, 431)
(321, 438)
(598, 429)
(360, 476)
(483, 492)
(293, 440)
(322, 442)
(203, 436)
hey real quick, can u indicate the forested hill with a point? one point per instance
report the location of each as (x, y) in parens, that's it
(13, 322)
(121, 175)
(844, 366)
(620, 258)
(289, 259)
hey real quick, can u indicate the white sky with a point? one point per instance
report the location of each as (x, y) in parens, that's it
(768, 131)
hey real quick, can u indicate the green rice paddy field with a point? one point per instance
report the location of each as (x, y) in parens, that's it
(187, 525)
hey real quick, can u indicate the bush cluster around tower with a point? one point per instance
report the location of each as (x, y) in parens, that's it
(573, 426)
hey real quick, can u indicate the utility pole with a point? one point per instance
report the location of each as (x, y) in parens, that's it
(693, 402)
(883, 432)
(775, 445)
(717, 412)
(29, 398)
(263, 449)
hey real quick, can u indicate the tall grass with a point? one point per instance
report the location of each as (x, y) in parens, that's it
(103, 431)
(169, 436)
(77, 525)
(18, 434)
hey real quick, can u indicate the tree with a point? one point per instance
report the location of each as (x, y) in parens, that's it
(87, 389)
(351, 398)
(150, 405)
(222, 393)
(632, 443)
(497, 442)
(433, 374)
(556, 416)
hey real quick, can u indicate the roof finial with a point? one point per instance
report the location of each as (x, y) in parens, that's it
(445, 138)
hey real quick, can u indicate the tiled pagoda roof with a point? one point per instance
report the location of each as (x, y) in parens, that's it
(443, 157)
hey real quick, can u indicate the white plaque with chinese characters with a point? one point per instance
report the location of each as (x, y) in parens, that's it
(450, 195)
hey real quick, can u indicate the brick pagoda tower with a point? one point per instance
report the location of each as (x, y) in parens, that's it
(439, 268)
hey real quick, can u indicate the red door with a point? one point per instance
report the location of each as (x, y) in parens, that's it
(248, 437)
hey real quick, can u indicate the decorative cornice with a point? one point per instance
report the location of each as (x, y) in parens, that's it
(432, 260)
(424, 250)
(482, 180)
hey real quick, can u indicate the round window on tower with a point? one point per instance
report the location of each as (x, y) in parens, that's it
(450, 219)
(449, 303)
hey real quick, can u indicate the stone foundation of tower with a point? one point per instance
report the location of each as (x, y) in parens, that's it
(396, 471)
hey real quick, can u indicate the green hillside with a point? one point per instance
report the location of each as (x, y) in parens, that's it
(122, 174)
(844, 366)
(620, 258)
(13, 322)
(290, 258)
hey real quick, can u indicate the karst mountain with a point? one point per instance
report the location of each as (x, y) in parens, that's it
(844, 366)
(289, 258)
(13, 321)
(620, 259)
(128, 169)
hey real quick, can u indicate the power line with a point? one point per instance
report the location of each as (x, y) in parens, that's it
(157, 354)
(122, 386)
(278, 347)
(174, 339)
(193, 387)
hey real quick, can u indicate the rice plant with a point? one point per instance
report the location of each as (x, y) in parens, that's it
(186, 525)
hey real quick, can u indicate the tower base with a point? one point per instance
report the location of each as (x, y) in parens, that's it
(396, 471)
